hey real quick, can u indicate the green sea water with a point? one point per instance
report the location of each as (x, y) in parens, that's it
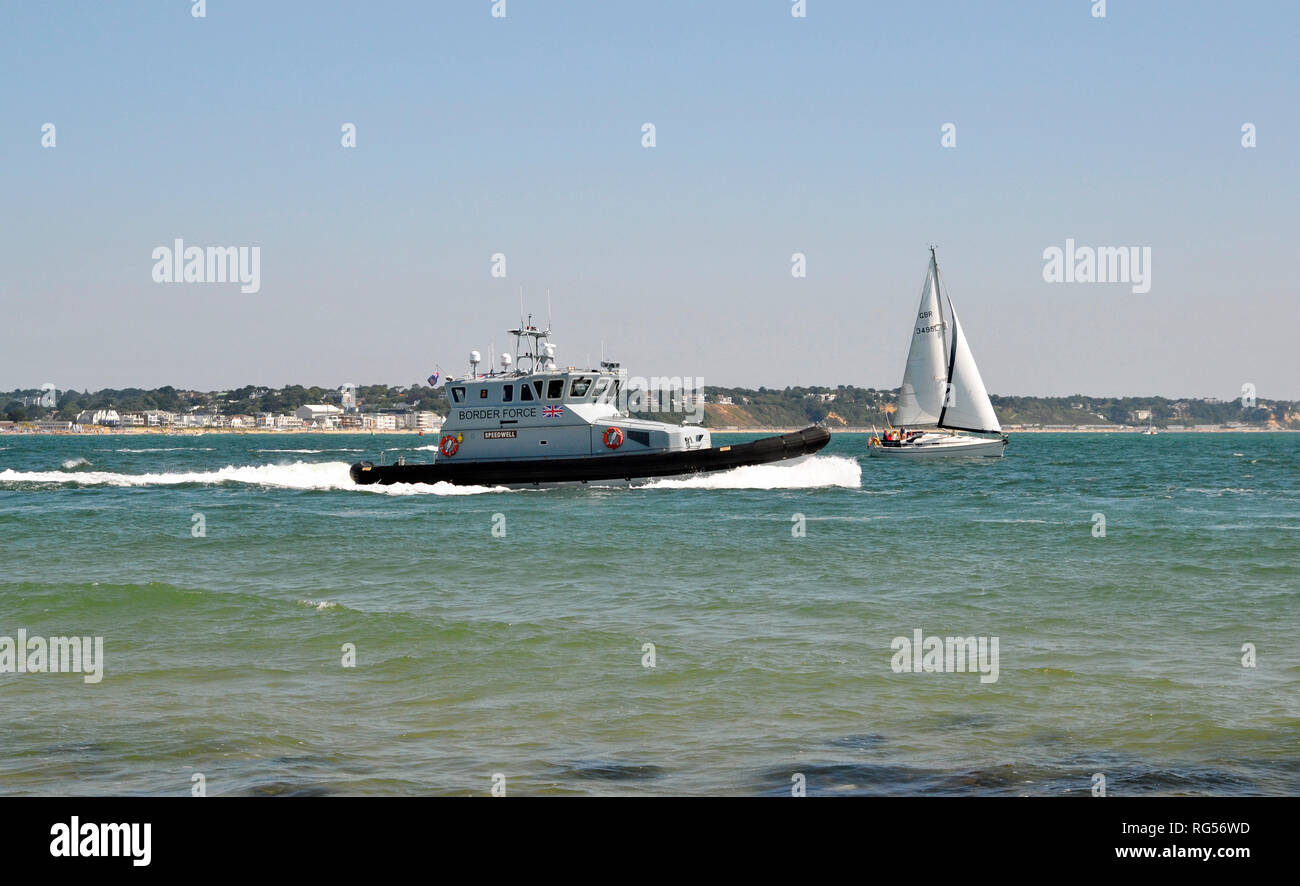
(523, 652)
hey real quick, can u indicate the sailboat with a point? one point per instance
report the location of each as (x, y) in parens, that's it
(943, 407)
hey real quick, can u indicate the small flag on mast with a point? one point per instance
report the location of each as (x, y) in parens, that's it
(433, 379)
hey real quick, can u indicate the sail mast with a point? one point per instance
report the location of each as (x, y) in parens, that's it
(943, 320)
(950, 355)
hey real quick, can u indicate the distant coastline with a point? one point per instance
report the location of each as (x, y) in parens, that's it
(406, 432)
(416, 407)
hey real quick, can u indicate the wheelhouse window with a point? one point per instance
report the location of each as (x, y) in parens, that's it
(458, 395)
(555, 389)
(507, 393)
(525, 392)
(579, 387)
(537, 386)
(601, 385)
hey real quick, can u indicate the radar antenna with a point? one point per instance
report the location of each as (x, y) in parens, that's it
(531, 343)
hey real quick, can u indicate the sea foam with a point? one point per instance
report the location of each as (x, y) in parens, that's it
(810, 473)
(300, 475)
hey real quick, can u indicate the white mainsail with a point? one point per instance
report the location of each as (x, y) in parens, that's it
(920, 399)
(967, 406)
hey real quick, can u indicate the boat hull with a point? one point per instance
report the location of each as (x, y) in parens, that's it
(957, 446)
(535, 472)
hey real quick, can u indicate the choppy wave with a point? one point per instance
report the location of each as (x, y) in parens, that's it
(300, 475)
(75, 463)
(320, 605)
(817, 471)
(309, 451)
(163, 449)
(1021, 520)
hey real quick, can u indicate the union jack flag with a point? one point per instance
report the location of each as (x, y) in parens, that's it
(552, 411)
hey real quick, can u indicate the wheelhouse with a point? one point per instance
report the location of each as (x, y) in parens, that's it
(531, 408)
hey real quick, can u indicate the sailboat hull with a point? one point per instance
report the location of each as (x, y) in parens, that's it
(942, 446)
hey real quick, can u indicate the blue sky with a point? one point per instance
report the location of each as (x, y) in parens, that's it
(775, 135)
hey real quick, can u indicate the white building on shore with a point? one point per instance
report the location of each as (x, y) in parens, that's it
(422, 421)
(400, 421)
(318, 415)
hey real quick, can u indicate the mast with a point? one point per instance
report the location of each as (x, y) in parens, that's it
(949, 330)
(943, 319)
(532, 344)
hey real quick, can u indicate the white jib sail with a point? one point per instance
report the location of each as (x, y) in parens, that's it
(920, 399)
(967, 406)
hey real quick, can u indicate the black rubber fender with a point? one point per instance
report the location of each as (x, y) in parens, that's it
(363, 473)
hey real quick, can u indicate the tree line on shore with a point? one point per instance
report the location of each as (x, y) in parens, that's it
(36, 405)
(844, 406)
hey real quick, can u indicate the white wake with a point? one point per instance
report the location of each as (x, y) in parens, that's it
(300, 475)
(811, 473)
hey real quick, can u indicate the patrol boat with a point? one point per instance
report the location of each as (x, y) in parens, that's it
(537, 424)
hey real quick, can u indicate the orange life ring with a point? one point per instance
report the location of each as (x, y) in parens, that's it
(613, 437)
(449, 445)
